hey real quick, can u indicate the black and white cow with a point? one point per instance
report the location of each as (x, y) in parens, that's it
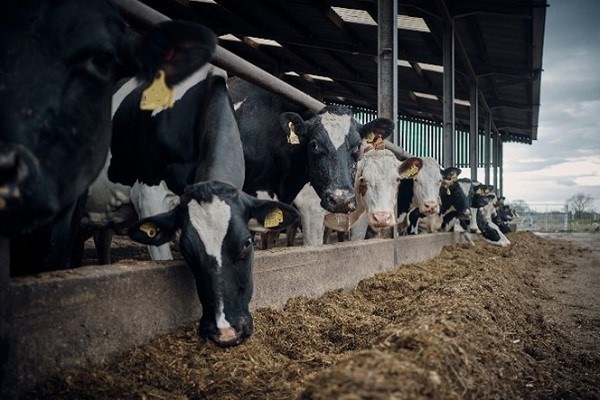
(376, 184)
(216, 242)
(489, 230)
(455, 208)
(59, 61)
(285, 150)
(419, 196)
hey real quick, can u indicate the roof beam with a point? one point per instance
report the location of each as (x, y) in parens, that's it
(462, 53)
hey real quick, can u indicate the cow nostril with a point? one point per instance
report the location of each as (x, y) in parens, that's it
(12, 169)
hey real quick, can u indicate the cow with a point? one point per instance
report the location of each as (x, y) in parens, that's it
(286, 147)
(195, 147)
(215, 219)
(419, 196)
(455, 210)
(474, 191)
(489, 230)
(59, 62)
(482, 200)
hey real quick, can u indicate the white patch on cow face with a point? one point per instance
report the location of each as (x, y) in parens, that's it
(222, 322)
(427, 184)
(121, 93)
(380, 171)
(182, 87)
(239, 104)
(211, 220)
(337, 127)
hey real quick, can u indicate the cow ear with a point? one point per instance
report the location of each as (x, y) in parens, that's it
(155, 230)
(294, 127)
(382, 127)
(177, 48)
(410, 167)
(268, 214)
(451, 173)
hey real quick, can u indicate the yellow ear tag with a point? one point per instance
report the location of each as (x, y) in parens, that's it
(273, 218)
(149, 229)
(157, 95)
(412, 171)
(292, 137)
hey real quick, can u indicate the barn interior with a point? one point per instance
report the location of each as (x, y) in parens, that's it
(461, 78)
(350, 52)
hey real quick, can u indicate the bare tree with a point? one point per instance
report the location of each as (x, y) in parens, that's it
(580, 203)
(521, 207)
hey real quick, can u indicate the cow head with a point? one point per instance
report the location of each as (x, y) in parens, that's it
(333, 138)
(377, 181)
(216, 242)
(452, 194)
(59, 62)
(427, 180)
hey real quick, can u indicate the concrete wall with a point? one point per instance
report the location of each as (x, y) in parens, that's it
(76, 317)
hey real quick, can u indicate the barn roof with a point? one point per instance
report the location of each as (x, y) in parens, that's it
(328, 48)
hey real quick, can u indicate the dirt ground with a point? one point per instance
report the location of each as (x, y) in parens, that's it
(481, 322)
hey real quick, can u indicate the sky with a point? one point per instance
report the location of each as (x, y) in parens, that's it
(566, 157)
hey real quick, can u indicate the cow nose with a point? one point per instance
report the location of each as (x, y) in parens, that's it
(13, 171)
(383, 219)
(429, 207)
(339, 201)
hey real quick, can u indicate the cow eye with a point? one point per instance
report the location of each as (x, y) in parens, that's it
(248, 246)
(314, 146)
(98, 64)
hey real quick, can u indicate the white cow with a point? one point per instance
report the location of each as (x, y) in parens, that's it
(379, 173)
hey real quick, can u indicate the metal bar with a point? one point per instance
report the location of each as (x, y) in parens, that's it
(232, 63)
(448, 89)
(501, 166)
(387, 56)
(473, 130)
(227, 60)
(4, 306)
(488, 138)
(495, 150)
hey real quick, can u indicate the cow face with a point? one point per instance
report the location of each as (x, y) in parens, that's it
(333, 140)
(452, 195)
(427, 180)
(59, 61)
(377, 181)
(217, 244)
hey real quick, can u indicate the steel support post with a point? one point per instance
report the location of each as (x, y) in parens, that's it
(448, 101)
(387, 66)
(4, 306)
(500, 166)
(488, 147)
(474, 131)
(495, 140)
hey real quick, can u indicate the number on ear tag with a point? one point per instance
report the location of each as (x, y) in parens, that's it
(292, 137)
(158, 95)
(412, 171)
(273, 218)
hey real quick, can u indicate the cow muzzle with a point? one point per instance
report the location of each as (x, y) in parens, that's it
(339, 200)
(381, 219)
(230, 336)
(16, 164)
(429, 207)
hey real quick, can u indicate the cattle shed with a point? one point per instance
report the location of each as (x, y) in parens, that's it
(485, 55)
(461, 77)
